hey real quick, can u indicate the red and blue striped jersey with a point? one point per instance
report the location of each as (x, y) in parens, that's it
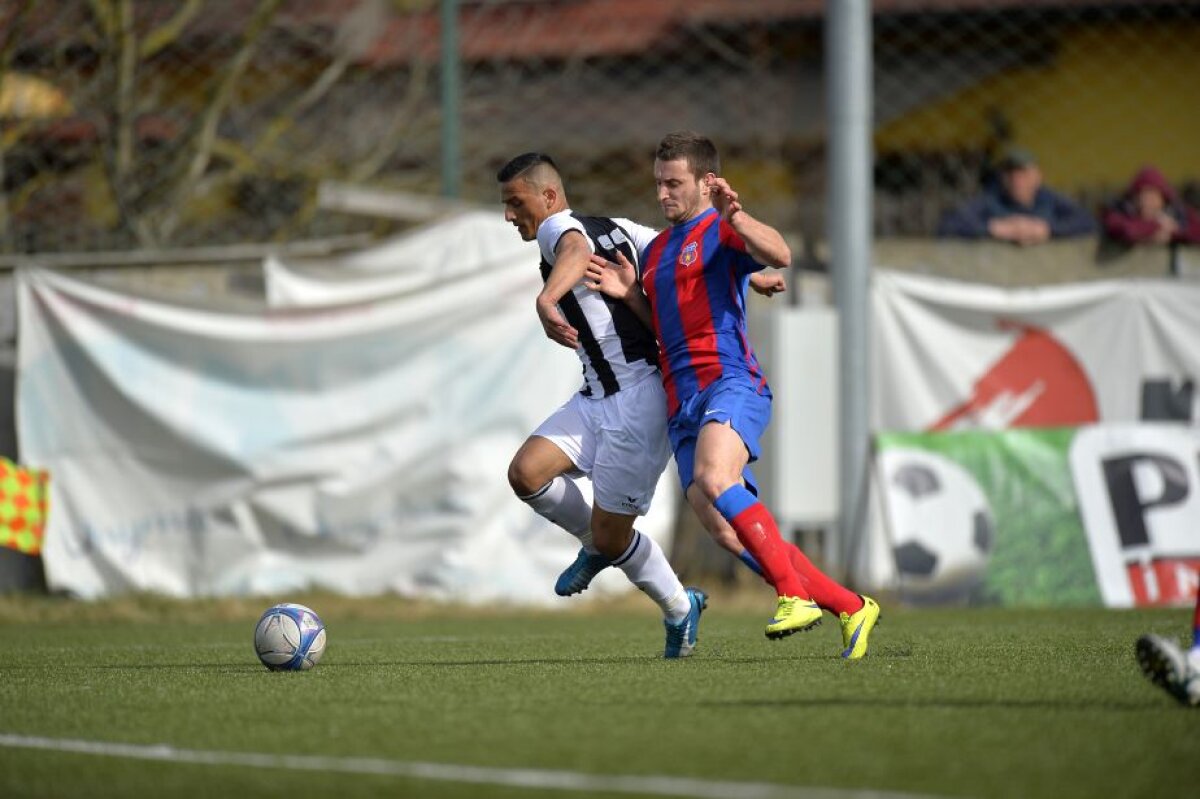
(695, 275)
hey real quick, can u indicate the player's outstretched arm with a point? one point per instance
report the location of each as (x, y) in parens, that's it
(618, 280)
(764, 243)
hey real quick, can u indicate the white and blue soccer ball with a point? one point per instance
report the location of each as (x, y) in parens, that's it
(289, 637)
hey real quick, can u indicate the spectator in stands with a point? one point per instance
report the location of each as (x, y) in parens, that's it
(1017, 207)
(1151, 212)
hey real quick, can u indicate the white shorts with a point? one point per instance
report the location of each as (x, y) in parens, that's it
(619, 441)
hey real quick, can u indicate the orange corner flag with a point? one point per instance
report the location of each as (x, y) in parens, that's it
(24, 501)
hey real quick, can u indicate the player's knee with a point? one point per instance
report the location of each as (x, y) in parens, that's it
(711, 484)
(523, 478)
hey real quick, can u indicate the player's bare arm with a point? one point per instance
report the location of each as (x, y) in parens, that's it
(764, 243)
(570, 266)
(619, 281)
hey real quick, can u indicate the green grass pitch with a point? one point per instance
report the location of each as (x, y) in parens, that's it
(1003, 703)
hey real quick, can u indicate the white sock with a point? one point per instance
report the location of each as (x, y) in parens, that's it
(562, 502)
(646, 567)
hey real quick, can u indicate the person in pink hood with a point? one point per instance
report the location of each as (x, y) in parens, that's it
(1151, 212)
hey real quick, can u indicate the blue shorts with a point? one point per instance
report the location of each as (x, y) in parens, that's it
(727, 400)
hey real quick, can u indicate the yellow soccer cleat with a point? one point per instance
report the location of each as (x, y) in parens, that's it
(856, 627)
(793, 615)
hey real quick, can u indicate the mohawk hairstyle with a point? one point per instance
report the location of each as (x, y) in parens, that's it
(522, 164)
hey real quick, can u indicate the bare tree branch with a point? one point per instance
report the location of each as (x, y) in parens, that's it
(247, 161)
(413, 96)
(212, 115)
(111, 159)
(287, 118)
(405, 120)
(14, 35)
(126, 75)
(355, 35)
(166, 34)
(207, 131)
(105, 14)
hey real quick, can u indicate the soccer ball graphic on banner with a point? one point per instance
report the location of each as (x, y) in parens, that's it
(940, 522)
(289, 637)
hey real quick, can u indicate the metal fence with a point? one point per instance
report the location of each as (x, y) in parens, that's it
(142, 124)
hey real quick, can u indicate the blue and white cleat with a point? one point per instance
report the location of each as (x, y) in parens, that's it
(681, 637)
(578, 576)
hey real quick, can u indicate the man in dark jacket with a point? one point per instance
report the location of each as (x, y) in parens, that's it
(1017, 208)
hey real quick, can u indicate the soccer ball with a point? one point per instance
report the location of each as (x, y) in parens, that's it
(940, 522)
(289, 637)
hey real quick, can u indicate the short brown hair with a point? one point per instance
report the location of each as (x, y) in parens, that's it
(699, 152)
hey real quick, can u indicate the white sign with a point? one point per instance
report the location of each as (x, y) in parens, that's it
(1139, 494)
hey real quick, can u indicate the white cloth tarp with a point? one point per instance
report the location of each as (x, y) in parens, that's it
(952, 355)
(456, 247)
(360, 448)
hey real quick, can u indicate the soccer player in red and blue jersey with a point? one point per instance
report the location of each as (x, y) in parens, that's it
(694, 275)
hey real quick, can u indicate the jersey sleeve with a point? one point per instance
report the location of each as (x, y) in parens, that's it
(551, 231)
(742, 261)
(640, 235)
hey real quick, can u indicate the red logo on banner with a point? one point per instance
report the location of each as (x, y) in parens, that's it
(1037, 383)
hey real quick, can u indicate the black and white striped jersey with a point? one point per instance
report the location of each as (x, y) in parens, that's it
(616, 349)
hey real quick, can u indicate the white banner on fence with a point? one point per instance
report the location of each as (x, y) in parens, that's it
(360, 448)
(952, 355)
(456, 247)
(948, 355)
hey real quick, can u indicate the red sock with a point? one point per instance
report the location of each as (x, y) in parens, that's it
(831, 596)
(756, 529)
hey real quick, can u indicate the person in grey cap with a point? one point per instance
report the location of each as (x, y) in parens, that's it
(1017, 207)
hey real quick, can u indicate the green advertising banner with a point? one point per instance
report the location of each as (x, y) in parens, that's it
(985, 518)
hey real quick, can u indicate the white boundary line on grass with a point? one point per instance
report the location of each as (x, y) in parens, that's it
(451, 772)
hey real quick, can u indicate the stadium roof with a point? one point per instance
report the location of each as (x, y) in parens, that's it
(545, 29)
(518, 29)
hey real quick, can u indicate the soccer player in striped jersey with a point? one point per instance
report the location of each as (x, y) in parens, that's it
(694, 277)
(614, 429)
